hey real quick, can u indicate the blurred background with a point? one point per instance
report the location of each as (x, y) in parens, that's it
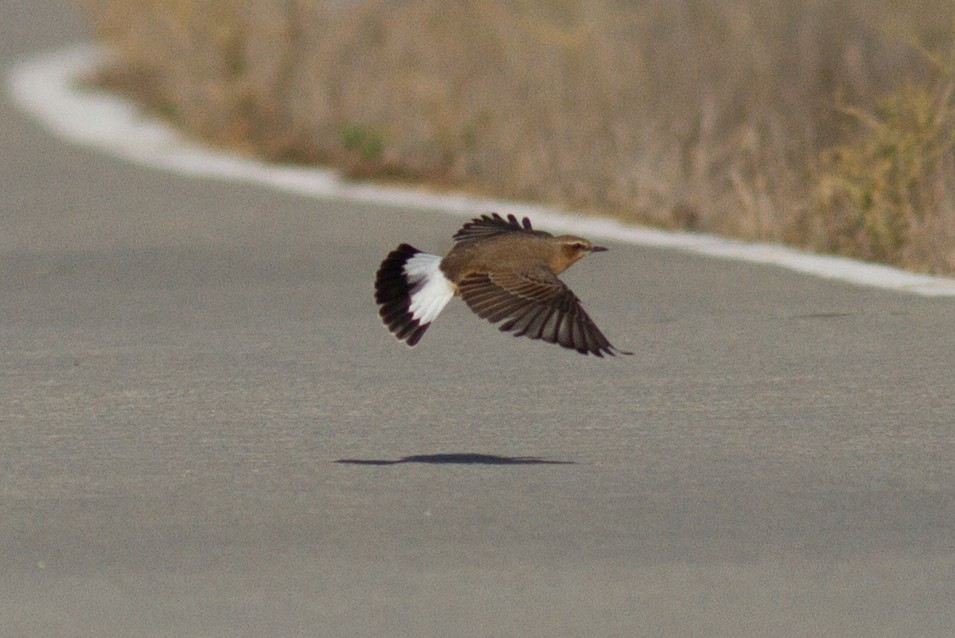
(828, 125)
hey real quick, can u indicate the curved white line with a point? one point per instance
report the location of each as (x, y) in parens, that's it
(46, 87)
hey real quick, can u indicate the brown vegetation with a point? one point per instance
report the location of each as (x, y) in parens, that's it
(824, 124)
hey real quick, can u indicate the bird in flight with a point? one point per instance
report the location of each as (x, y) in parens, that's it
(505, 271)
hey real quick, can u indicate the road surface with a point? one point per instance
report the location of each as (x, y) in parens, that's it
(206, 431)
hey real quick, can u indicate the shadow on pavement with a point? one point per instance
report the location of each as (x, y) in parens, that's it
(465, 458)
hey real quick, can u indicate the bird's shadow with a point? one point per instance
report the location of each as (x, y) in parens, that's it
(460, 458)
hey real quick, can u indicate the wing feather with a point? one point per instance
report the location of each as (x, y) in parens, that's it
(490, 225)
(536, 305)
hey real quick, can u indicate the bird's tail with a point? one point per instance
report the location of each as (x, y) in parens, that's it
(412, 291)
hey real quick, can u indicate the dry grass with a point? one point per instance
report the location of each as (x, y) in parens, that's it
(887, 195)
(822, 124)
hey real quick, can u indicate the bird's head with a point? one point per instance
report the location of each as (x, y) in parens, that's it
(571, 250)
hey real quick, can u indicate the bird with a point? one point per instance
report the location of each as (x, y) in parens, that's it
(505, 271)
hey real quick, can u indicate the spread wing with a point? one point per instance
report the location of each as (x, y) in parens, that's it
(490, 225)
(537, 305)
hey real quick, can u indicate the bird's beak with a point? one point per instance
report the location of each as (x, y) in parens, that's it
(598, 249)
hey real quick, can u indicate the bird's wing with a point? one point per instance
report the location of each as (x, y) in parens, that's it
(537, 305)
(490, 225)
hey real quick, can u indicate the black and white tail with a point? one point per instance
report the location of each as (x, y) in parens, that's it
(412, 291)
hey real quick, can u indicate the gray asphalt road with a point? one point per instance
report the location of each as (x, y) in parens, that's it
(185, 364)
